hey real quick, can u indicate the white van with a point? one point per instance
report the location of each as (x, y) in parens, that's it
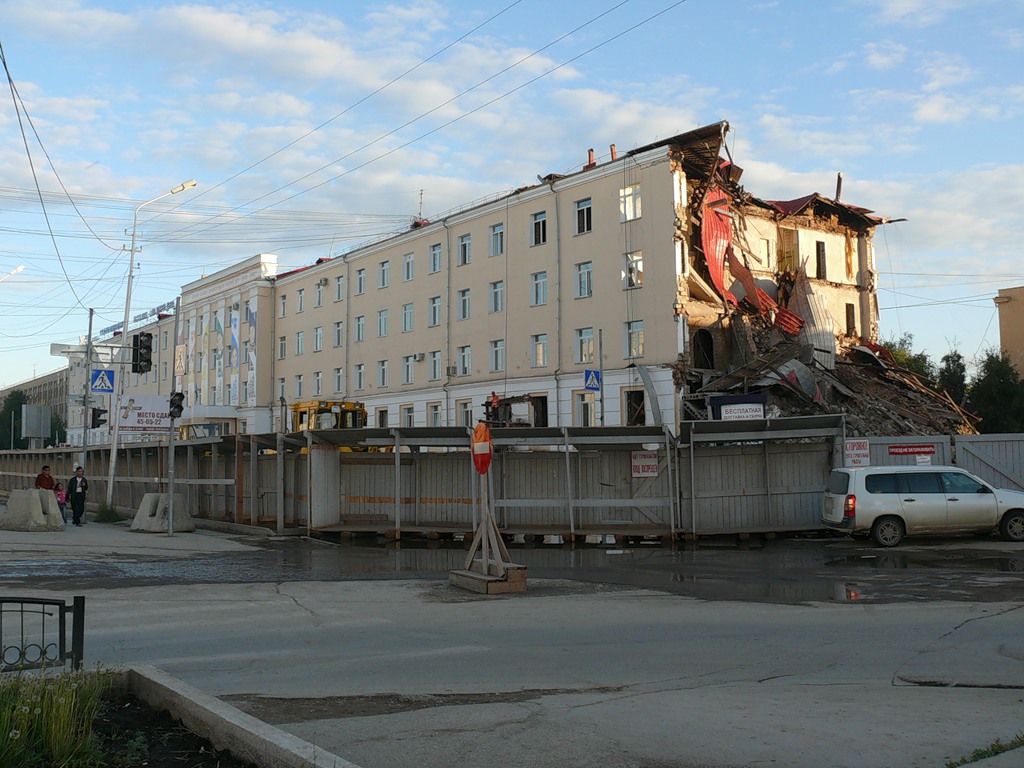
(889, 503)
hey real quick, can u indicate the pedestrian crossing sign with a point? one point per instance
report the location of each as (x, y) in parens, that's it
(102, 382)
(592, 380)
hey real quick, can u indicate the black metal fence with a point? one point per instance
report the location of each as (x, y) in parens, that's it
(34, 633)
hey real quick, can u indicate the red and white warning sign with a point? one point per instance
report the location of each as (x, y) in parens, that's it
(482, 449)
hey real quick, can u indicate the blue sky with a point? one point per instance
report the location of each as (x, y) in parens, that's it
(313, 125)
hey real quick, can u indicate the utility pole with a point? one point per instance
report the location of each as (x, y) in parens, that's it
(85, 394)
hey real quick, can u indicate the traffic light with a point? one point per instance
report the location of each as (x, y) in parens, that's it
(97, 417)
(142, 352)
(177, 404)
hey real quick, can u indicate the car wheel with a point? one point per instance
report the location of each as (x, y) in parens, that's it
(887, 531)
(1012, 526)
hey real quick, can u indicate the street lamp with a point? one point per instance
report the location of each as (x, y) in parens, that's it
(115, 409)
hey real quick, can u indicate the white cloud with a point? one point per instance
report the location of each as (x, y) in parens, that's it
(920, 12)
(945, 72)
(884, 55)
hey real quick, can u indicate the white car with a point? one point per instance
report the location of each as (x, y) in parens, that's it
(889, 503)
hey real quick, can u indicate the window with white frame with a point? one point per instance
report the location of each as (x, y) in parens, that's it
(164, 369)
(360, 376)
(247, 312)
(280, 389)
(584, 279)
(408, 267)
(360, 282)
(382, 418)
(465, 408)
(245, 351)
(298, 386)
(497, 240)
(384, 274)
(360, 327)
(300, 300)
(300, 342)
(282, 310)
(339, 332)
(201, 323)
(463, 304)
(538, 289)
(339, 379)
(629, 203)
(382, 373)
(496, 296)
(245, 391)
(435, 258)
(407, 317)
(339, 288)
(635, 338)
(434, 311)
(465, 250)
(282, 349)
(584, 216)
(318, 338)
(584, 345)
(408, 416)
(633, 271)
(318, 301)
(539, 228)
(539, 350)
(199, 361)
(497, 355)
(433, 414)
(408, 370)
(318, 383)
(585, 410)
(465, 356)
(382, 323)
(434, 368)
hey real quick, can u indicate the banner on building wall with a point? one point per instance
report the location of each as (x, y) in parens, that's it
(251, 394)
(233, 395)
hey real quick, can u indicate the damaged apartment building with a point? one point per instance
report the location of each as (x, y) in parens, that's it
(641, 289)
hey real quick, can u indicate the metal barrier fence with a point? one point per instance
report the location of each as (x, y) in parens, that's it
(34, 631)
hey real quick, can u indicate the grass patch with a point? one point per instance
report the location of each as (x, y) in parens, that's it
(107, 514)
(46, 719)
(997, 747)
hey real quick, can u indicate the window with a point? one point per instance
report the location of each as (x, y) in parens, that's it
(464, 307)
(339, 332)
(163, 344)
(465, 250)
(433, 414)
(406, 318)
(319, 300)
(408, 366)
(629, 203)
(339, 379)
(298, 386)
(408, 267)
(360, 327)
(434, 311)
(382, 373)
(318, 383)
(584, 345)
(282, 348)
(465, 360)
(318, 338)
(360, 282)
(280, 389)
(382, 418)
(584, 220)
(539, 347)
(384, 274)
(538, 289)
(163, 374)
(247, 309)
(245, 391)
(465, 408)
(497, 240)
(635, 338)
(819, 252)
(408, 416)
(851, 320)
(585, 410)
(539, 229)
(300, 300)
(360, 376)
(435, 258)
(339, 288)
(245, 351)
(584, 280)
(497, 355)
(382, 323)
(300, 342)
(282, 310)
(199, 361)
(497, 297)
(434, 370)
(633, 271)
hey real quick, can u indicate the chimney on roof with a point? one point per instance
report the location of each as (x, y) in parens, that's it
(839, 186)
(590, 160)
(614, 151)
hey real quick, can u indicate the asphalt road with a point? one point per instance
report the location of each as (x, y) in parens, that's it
(801, 653)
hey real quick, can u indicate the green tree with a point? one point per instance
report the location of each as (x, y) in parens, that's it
(10, 416)
(58, 431)
(997, 395)
(953, 376)
(902, 351)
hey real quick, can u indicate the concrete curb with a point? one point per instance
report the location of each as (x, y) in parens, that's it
(225, 726)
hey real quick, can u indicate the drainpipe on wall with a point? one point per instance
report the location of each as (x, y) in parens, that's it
(273, 348)
(448, 416)
(558, 308)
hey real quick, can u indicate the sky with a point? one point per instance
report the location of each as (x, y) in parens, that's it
(312, 126)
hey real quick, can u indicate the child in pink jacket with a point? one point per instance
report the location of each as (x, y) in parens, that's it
(62, 500)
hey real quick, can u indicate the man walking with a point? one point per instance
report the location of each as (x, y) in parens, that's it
(77, 486)
(44, 480)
